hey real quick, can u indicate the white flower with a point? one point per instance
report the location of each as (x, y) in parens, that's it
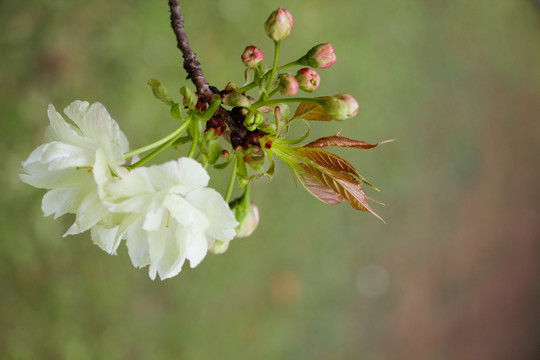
(171, 215)
(76, 164)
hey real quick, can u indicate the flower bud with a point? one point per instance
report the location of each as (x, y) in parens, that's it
(236, 99)
(219, 247)
(320, 56)
(288, 85)
(279, 24)
(340, 106)
(308, 79)
(252, 56)
(250, 221)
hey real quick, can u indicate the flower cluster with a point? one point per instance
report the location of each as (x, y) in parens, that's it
(166, 213)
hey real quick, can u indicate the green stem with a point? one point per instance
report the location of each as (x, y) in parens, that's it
(195, 140)
(154, 144)
(170, 139)
(260, 103)
(273, 92)
(231, 180)
(292, 63)
(248, 87)
(274, 66)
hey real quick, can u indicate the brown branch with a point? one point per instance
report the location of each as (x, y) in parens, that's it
(191, 65)
(195, 74)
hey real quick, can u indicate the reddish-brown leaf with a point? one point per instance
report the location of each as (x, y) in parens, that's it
(342, 141)
(328, 160)
(346, 186)
(311, 111)
(318, 189)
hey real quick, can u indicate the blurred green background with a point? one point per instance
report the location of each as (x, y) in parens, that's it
(454, 273)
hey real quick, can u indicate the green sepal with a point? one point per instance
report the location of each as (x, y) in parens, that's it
(160, 92)
(176, 111)
(190, 99)
(212, 147)
(241, 170)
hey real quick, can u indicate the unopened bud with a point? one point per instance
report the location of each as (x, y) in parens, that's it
(236, 99)
(288, 85)
(320, 56)
(252, 56)
(252, 120)
(279, 24)
(219, 247)
(308, 79)
(340, 106)
(230, 87)
(250, 221)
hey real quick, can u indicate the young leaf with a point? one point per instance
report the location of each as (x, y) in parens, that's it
(328, 160)
(342, 141)
(160, 92)
(311, 111)
(190, 99)
(346, 186)
(318, 189)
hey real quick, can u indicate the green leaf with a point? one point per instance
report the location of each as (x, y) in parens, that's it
(311, 111)
(213, 150)
(176, 111)
(160, 92)
(190, 99)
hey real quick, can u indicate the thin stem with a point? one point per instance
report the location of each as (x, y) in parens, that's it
(231, 180)
(274, 65)
(248, 87)
(286, 66)
(195, 140)
(273, 92)
(152, 145)
(258, 104)
(175, 135)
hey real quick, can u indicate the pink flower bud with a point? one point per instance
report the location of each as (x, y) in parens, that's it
(252, 56)
(219, 247)
(308, 79)
(279, 24)
(340, 106)
(288, 85)
(249, 223)
(320, 56)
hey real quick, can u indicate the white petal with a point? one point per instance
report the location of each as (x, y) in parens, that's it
(90, 212)
(137, 243)
(96, 124)
(196, 246)
(221, 219)
(172, 256)
(105, 238)
(185, 213)
(61, 201)
(156, 217)
(63, 131)
(39, 176)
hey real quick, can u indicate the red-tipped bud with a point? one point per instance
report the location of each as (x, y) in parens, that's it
(288, 85)
(340, 106)
(279, 24)
(308, 79)
(252, 56)
(320, 56)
